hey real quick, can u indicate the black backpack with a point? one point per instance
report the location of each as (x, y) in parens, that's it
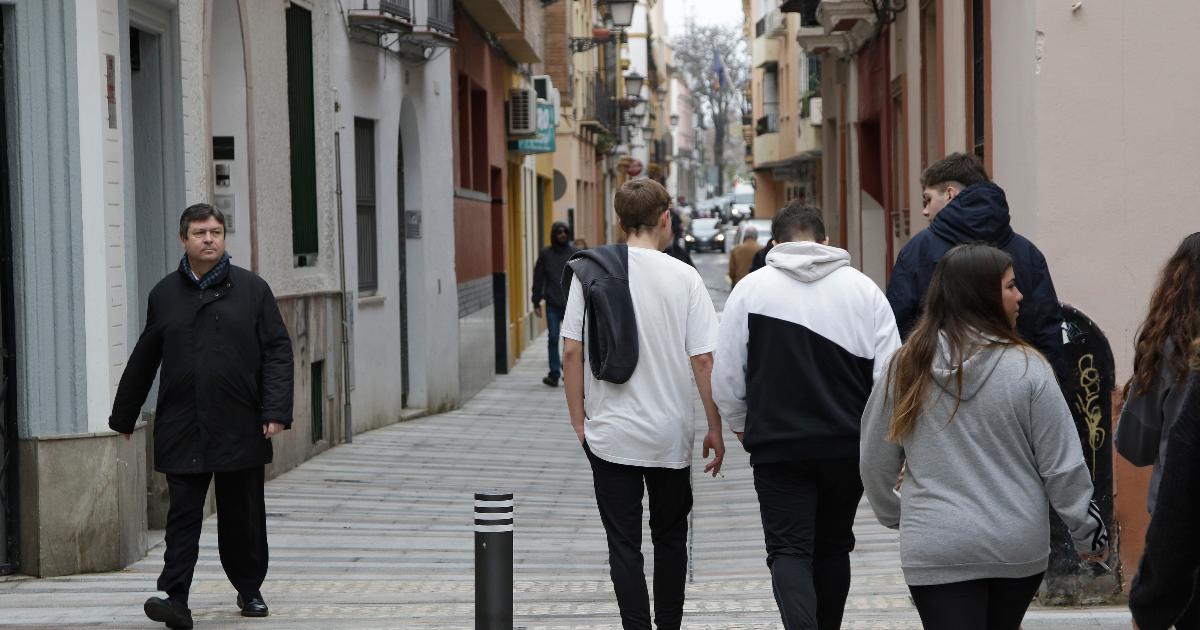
(611, 324)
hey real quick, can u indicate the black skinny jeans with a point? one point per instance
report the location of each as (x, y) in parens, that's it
(619, 497)
(989, 604)
(808, 518)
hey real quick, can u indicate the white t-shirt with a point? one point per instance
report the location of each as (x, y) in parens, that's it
(647, 421)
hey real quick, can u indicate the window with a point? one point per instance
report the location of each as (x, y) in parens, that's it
(978, 86)
(931, 90)
(364, 177)
(317, 387)
(303, 134)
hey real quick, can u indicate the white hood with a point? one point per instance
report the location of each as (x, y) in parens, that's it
(807, 261)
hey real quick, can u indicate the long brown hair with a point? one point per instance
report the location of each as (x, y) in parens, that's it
(1173, 318)
(964, 302)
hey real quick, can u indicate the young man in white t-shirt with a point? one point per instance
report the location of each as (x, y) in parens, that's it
(640, 432)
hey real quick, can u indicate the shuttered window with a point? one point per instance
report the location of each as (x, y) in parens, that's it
(364, 178)
(303, 134)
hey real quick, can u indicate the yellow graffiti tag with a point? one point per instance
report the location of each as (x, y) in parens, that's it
(1088, 405)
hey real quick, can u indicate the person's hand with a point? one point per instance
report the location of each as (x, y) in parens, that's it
(271, 429)
(713, 441)
(738, 435)
(537, 310)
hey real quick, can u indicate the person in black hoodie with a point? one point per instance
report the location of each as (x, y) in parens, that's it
(548, 285)
(964, 206)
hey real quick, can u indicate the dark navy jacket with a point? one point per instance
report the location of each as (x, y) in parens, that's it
(980, 214)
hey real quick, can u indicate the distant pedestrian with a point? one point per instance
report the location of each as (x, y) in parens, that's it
(801, 344)
(760, 257)
(580, 243)
(742, 255)
(645, 325)
(1166, 591)
(677, 248)
(224, 391)
(548, 285)
(1155, 392)
(964, 206)
(976, 415)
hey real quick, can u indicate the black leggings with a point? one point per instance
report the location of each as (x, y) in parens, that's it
(991, 604)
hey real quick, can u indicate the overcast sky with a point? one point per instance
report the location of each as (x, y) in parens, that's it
(704, 12)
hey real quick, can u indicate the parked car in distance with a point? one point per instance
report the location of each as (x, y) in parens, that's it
(762, 225)
(705, 234)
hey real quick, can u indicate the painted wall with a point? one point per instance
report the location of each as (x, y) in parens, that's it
(227, 104)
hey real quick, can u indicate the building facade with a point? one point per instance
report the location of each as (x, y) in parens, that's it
(1083, 124)
(119, 113)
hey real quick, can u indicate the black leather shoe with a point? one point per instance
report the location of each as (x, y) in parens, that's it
(551, 381)
(252, 606)
(168, 611)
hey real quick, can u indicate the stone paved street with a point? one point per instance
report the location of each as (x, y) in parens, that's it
(378, 534)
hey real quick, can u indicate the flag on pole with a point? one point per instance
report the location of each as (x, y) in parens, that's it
(718, 69)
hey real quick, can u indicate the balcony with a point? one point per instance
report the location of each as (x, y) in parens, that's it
(839, 16)
(441, 16)
(816, 41)
(766, 149)
(806, 8)
(597, 106)
(383, 17)
(766, 124)
(764, 50)
(772, 24)
(495, 16)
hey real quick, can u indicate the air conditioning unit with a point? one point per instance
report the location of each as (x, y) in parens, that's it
(816, 114)
(522, 112)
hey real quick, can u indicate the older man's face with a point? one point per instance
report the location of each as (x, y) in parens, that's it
(205, 242)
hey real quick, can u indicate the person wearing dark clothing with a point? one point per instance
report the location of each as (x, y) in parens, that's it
(225, 389)
(678, 249)
(1165, 591)
(549, 285)
(760, 257)
(1154, 394)
(800, 346)
(975, 211)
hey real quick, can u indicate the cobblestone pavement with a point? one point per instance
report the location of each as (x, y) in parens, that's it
(378, 534)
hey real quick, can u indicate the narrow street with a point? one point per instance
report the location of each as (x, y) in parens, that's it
(378, 534)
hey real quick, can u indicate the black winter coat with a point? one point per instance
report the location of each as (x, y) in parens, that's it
(226, 371)
(980, 214)
(548, 278)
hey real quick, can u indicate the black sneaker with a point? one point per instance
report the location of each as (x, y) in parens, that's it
(252, 606)
(552, 381)
(169, 611)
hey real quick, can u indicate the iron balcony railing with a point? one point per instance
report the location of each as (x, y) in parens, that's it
(441, 15)
(767, 124)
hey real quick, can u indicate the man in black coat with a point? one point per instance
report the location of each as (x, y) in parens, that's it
(964, 206)
(225, 390)
(548, 283)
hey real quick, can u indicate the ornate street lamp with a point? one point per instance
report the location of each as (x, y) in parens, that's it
(633, 83)
(674, 120)
(621, 12)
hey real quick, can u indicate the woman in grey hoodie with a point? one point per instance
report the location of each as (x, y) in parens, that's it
(977, 417)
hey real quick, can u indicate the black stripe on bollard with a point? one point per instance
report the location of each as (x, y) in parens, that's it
(493, 560)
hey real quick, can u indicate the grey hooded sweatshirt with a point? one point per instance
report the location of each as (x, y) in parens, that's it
(974, 503)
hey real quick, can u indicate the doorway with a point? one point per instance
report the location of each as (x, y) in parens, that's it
(402, 257)
(8, 421)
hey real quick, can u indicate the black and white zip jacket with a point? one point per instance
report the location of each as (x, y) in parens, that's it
(802, 341)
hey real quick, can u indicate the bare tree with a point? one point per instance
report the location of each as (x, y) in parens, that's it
(716, 66)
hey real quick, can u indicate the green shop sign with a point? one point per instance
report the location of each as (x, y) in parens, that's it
(543, 142)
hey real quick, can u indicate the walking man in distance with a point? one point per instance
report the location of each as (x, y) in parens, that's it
(801, 344)
(548, 285)
(225, 390)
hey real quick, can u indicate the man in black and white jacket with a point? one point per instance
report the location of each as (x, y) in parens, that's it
(800, 346)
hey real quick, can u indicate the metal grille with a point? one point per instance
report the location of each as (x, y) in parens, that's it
(364, 177)
(441, 15)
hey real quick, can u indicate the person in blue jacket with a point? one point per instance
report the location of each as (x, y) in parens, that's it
(963, 206)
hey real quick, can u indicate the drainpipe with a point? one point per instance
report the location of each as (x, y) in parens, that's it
(347, 417)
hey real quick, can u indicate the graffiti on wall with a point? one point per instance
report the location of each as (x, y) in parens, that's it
(1088, 404)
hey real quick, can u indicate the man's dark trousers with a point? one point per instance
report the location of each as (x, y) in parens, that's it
(554, 317)
(241, 530)
(619, 497)
(808, 517)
